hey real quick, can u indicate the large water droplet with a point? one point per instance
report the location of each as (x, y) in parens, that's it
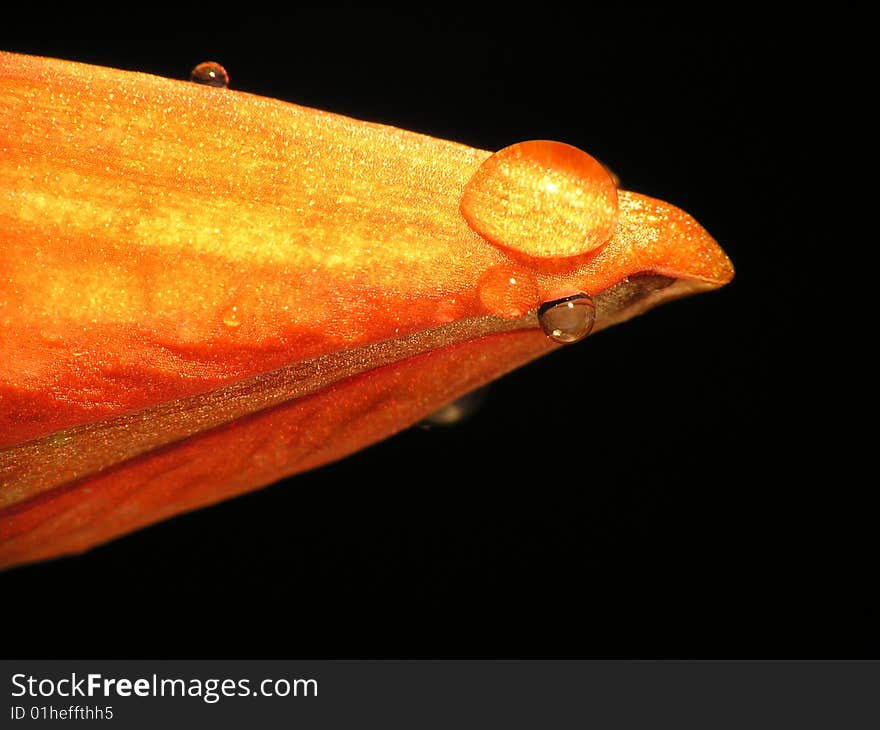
(543, 199)
(508, 291)
(569, 319)
(210, 73)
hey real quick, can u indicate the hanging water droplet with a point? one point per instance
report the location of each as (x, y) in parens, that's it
(210, 73)
(231, 316)
(569, 319)
(459, 410)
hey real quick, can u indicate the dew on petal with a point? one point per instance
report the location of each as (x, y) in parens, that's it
(210, 73)
(542, 199)
(569, 319)
(508, 291)
(232, 317)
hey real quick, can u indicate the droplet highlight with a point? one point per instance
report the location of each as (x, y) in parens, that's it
(568, 319)
(542, 199)
(508, 291)
(210, 73)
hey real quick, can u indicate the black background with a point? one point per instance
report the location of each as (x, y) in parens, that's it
(660, 490)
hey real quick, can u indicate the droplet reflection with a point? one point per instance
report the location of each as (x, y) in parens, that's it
(459, 410)
(569, 319)
(210, 73)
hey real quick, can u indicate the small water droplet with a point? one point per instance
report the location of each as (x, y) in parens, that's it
(461, 409)
(568, 319)
(449, 310)
(508, 291)
(210, 73)
(231, 316)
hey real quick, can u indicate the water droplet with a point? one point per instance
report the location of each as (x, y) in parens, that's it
(615, 178)
(210, 73)
(231, 316)
(543, 199)
(508, 291)
(458, 410)
(569, 319)
(449, 310)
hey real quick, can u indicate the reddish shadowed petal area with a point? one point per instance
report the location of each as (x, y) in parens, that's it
(256, 450)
